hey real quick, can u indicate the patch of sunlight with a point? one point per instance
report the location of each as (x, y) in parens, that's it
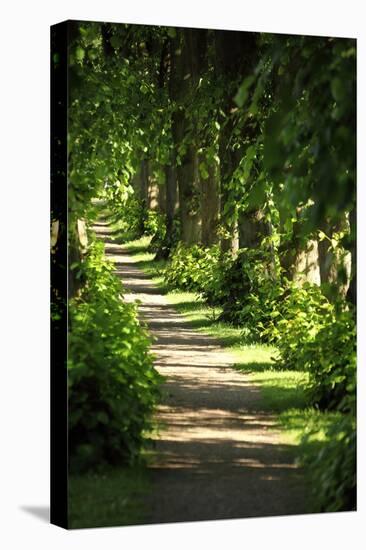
(282, 392)
(205, 319)
(248, 356)
(138, 249)
(297, 422)
(177, 297)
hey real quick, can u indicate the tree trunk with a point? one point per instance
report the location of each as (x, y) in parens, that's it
(235, 59)
(228, 206)
(334, 264)
(140, 184)
(188, 181)
(161, 195)
(144, 193)
(252, 229)
(300, 258)
(306, 264)
(152, 189)
(170, 197)
(187, 52)
(210, 205)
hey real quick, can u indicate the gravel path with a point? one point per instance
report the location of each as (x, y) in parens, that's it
(218, 456)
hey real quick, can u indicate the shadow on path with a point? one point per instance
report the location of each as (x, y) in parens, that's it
(217, 455)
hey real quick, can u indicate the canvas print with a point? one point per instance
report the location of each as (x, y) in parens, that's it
(203, 256)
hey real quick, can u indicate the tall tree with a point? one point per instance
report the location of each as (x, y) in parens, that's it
(188, 49)
(235, 59)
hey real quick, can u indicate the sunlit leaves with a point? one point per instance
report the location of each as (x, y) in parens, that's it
(112, 383)
(303, 96)
(203, 170)
(79, 54)
(113, 115)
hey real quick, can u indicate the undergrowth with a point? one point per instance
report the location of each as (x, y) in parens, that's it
(113, 386)
(283, 343)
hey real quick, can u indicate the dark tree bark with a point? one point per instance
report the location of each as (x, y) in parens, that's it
(210, 178)
(140, 184)
(107, 33)
(169, 209)
(300, 257)
(170, 196)
(187, 57)
(161, 196)
(334, 265)
(235, 59)
(210, 206)
(252, 228)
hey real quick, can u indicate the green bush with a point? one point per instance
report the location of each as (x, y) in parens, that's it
(248, 289)
(155, 226)
(113, 386)
(331, 361)
(164, 240)
(314, 335)
(311, 333)
(129, 217)
(302, 311)
(191, 268)
(331, 465)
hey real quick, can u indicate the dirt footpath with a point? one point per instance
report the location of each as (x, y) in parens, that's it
(217, 454)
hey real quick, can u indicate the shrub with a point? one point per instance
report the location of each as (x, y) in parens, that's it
(191, 268)
(319, 337)
(248, 290)
(164, 240)
(310, 333)
(155, 226)
(301, 313)
(331, 361)
(132, 220)
(113, 385)
(129, 217)
(331, 466)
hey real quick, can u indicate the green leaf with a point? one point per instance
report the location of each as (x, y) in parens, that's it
(79, 53)
(172, 33)
(203, 170)
(337, 88)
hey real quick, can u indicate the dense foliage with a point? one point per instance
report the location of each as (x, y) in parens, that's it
(191, 268)
(299, 320)
(113, 386)
(332, 467)
(311, 334)
(236, 153)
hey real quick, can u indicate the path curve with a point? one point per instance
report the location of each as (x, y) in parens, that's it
(218, 455)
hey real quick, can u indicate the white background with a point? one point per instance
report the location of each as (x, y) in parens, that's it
(24, 272)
